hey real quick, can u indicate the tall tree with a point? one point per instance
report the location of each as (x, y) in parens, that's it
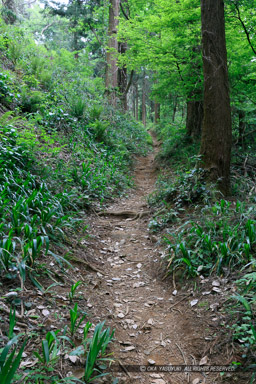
(111, 58)
(216, 130)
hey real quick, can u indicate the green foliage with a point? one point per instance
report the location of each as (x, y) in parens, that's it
(242, 311)
(221, 239)
(50, 349)
(177, 149)
(75, 319)
(189, 188)
(6, 94)
(98, 344)
(30, 214)
(73, 289)
(9, 362)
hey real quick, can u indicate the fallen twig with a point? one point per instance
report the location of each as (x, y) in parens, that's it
(124, 369)
(177, 302)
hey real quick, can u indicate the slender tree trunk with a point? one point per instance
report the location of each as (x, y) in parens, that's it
(175, 101)
(152, 110)
(122, 78)
(216, 131)
(157, 112)
(112, 69)
(241, 127)
(136, 102)
(143, 103)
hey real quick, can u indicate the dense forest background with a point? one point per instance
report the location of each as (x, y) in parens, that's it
(81, 84)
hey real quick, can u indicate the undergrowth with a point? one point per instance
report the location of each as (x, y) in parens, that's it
(220, 239)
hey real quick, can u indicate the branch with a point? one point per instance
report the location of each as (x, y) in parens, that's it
(179, 71)
(47, 26)
(129, 82)
(95, 34)
(244, 27)
(124, 13)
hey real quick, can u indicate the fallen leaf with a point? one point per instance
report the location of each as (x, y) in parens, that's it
(155, 376)
(73, 359)
(151, 362)
(28, 363)
(216, 289)
(11, 294)
(196, 381)
(139, 284)
(125, 342)
(193, 302)
(128, 349)
(204, 360)
(45, 312)
(214, 306)
(216, 283)
(79, 374)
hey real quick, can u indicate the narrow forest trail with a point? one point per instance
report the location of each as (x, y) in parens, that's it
(152, 325)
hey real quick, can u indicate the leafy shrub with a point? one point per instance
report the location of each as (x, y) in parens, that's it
(6, 94)
(189, 188)
(31, 101)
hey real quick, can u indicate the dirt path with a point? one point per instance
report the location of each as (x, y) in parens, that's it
(153, 326)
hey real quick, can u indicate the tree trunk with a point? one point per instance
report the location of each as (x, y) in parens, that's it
(157, 112)
(241, 127)
(216, 131)
(136, 102)
(143, 103)
(122, 78)
(175, 102)
(194, 118)
(112, 69)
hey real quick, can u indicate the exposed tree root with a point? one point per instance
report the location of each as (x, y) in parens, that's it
(126, 214)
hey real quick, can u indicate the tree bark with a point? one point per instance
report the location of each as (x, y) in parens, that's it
(136, 102)
(143, 102)
(122, 78)
(194, 118)
(157, 112)
(216, 131)
(175, 102)
(111, 59)
(241, 127)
